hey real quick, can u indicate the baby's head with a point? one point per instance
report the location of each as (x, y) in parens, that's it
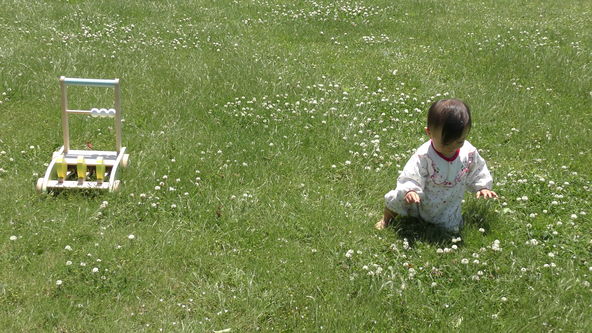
(449, 122)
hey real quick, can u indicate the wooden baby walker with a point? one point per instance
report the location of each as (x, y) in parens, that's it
(86, 169)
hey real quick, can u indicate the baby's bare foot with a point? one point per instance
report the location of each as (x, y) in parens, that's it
(380, 224)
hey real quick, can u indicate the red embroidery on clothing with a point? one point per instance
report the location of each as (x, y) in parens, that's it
(449, 159)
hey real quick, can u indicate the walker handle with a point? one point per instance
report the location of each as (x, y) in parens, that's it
(89, 82)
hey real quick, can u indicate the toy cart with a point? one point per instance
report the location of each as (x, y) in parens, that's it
(86, 169)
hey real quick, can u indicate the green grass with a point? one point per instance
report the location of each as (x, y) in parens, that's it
(262, 137)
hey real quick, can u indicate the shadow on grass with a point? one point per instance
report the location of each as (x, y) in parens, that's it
(476, 214)
(417, 230)
(480, 213)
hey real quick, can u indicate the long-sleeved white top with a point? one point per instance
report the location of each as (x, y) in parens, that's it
(440, 183)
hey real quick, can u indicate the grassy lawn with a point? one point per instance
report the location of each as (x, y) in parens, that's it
(262, 137)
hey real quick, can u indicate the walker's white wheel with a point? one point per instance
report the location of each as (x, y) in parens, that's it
(39, 185)
(116, 186)
(125, 160)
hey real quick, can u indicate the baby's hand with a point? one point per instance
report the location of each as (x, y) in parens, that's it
(412, 197)
(486, 194)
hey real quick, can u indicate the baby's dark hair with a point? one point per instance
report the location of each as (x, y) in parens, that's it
(453, 116)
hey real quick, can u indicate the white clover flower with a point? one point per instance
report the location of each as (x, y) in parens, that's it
(504, 299)
(68, 263)
(68, 248)
(496, 245)
(434, 284)
(131, 236)
(551, 254)
(481, 230)
(349, 253)
(406, 244)
(95, 270)
(157, 187)
(13, 238)
(59, 283)
(173, 206)
(104, 204)
(83, 264)
(464, 261)
(573, 216)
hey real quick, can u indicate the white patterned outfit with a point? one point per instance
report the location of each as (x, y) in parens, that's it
(440, 183)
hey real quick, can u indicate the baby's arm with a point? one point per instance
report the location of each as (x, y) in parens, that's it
(412, 179)
(480, 179)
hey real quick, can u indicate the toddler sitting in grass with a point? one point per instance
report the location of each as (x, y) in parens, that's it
(433, 182)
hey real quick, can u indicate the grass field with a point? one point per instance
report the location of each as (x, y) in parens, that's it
(262, 137)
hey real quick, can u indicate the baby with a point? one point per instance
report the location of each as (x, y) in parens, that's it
(434, 180)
